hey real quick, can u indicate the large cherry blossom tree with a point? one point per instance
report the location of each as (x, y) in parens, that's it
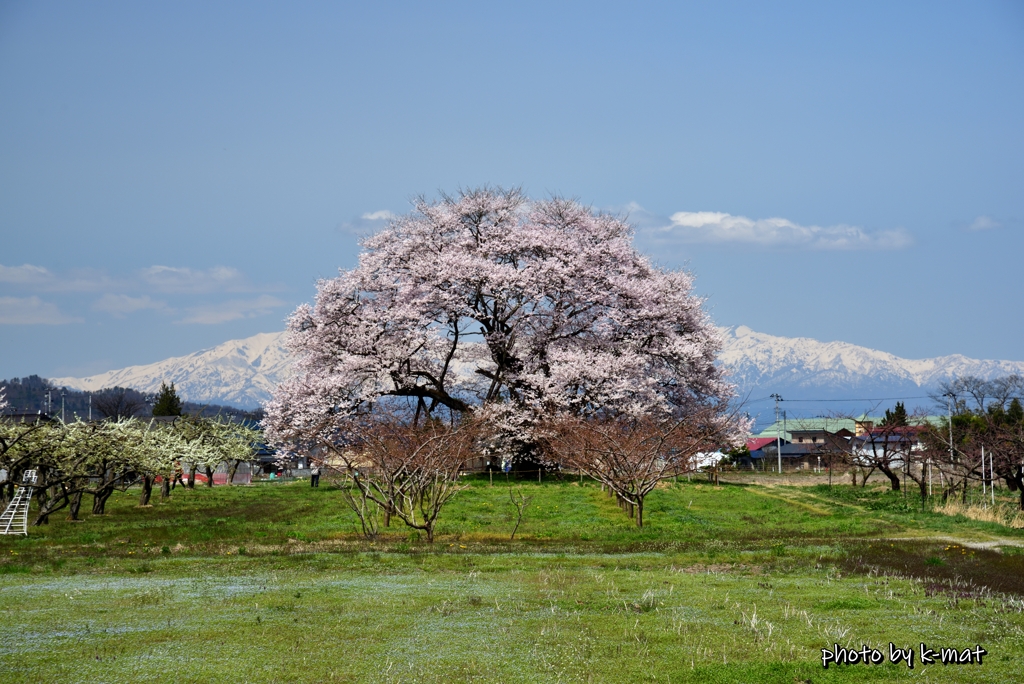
(488, 302)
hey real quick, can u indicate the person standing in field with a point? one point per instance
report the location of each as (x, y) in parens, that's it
(314, 477)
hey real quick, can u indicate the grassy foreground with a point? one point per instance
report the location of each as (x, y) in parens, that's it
(731, 583)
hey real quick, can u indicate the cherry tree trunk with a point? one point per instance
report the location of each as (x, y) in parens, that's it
(893, 477)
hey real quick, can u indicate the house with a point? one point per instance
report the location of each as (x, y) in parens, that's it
(807, 443)
(805, 456)
(755, 445)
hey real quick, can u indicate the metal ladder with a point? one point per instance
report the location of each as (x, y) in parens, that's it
(14, 520)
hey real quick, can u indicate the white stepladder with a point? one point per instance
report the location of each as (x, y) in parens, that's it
(14, 520)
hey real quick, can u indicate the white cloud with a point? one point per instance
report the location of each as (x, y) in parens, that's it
(721, 228)
(984, 223)
(31, 311)
(38, 278)
(232, 310)
(26, 274)
(119, 305)
(179, 279)
(367, 223)
(382, 215)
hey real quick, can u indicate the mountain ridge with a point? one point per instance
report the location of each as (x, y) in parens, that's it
(760, 360)
(244, 372)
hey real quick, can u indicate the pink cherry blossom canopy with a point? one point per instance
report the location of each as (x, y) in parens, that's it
(490, 300)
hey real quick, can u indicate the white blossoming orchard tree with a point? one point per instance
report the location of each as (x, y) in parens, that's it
(511, 309)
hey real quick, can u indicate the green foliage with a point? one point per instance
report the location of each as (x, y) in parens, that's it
(737, 455)
(1015, 414)
(897, 417)
(167, 401)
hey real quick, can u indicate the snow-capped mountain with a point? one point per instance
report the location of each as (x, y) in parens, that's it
(239, 373)
(806, 367)
(243, 373)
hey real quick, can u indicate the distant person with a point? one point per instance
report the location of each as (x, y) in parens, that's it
(314, 477)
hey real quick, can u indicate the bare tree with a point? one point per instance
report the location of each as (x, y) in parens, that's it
(366, 510)
(888, 445)
(519, 503)
(1008, 448)
(118, 402)
(1004, 390)
(971, 394)
(408, 468)
(955, 448)
(1001, 432)
(630, 455)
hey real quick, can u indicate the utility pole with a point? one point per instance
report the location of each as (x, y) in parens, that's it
(929, 479)
(786, 432)
(992, 479)
(984, 493)
(778, 435)
(949, 408)
(62, 394)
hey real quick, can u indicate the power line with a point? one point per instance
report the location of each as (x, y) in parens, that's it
(790, 401)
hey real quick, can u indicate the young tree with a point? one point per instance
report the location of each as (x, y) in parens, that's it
(408, 468)
(886, 447)
(490, 303)
(630, 455)
(167, 401)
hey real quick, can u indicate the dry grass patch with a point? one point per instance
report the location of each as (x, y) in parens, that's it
(999, 514)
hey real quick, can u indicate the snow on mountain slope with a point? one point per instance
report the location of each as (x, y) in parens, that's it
(798, 364)
(239, 373)
(244, 372)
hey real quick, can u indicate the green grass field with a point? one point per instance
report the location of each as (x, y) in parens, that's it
(725, 584)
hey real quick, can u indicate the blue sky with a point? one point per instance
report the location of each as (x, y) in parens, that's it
(174, 175)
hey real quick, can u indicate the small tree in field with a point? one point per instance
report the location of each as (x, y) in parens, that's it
(407, 468)
(630, 455)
